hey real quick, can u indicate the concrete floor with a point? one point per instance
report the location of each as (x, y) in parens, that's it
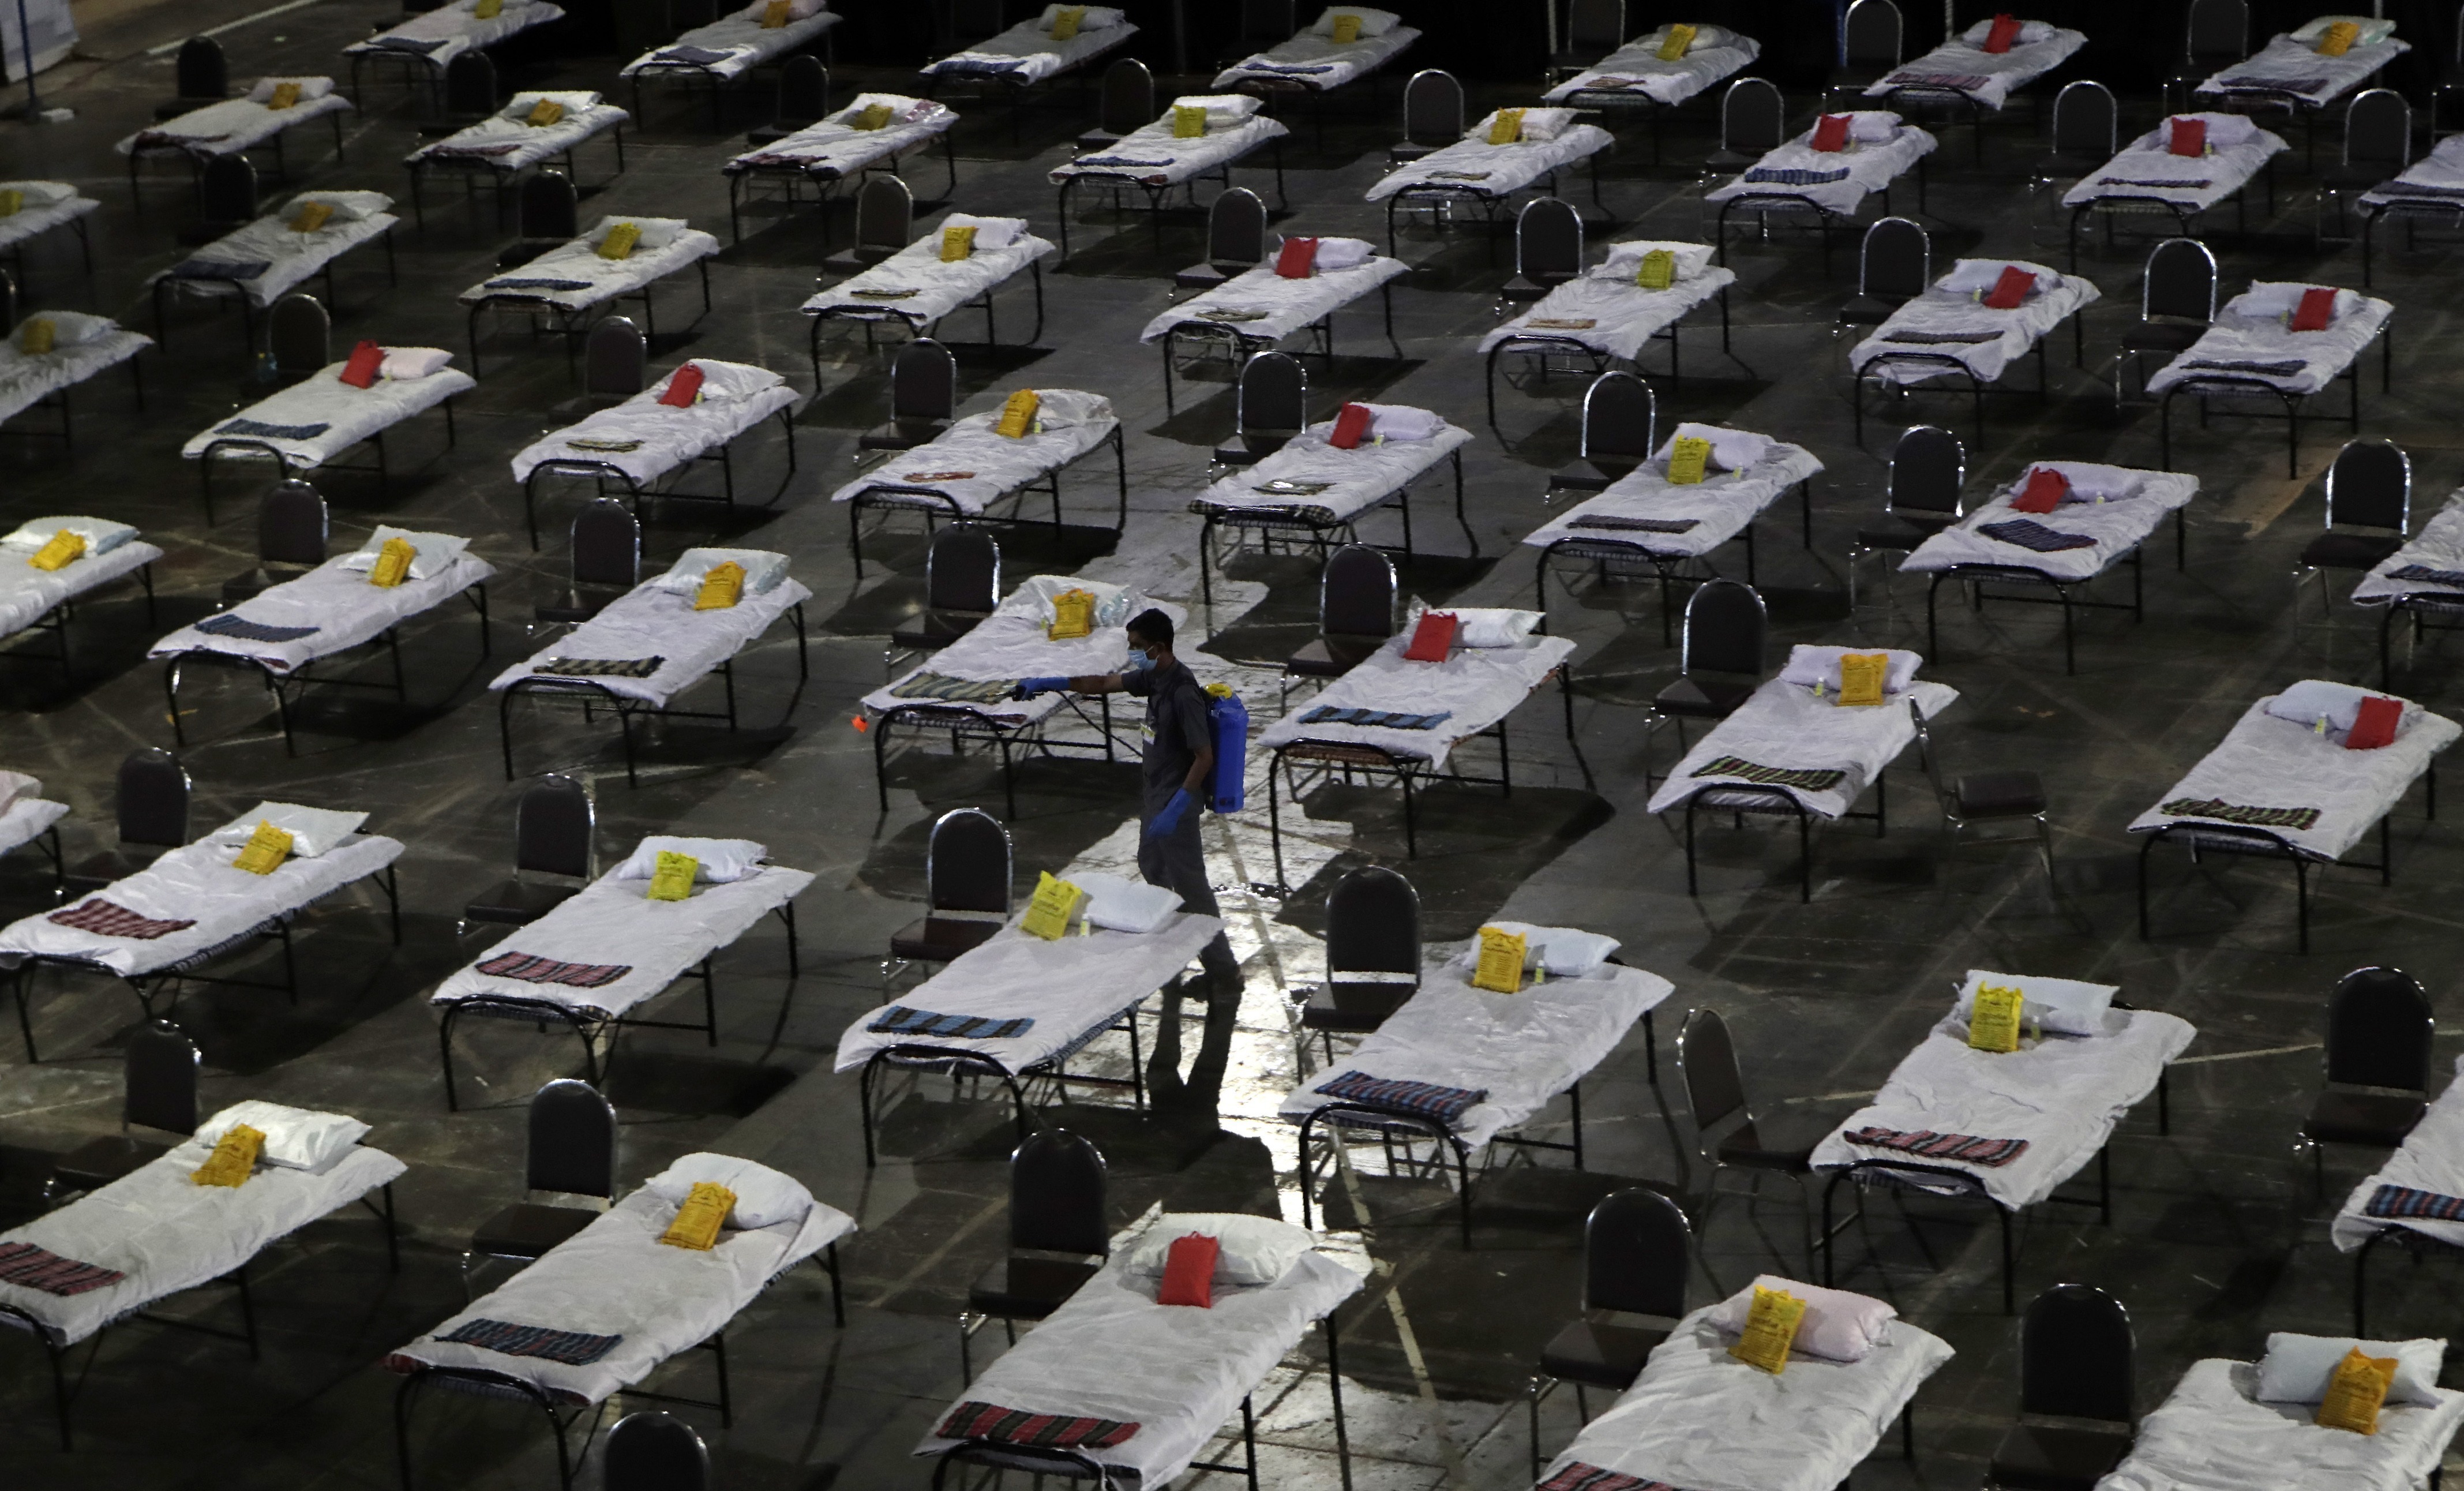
(2216, 1237)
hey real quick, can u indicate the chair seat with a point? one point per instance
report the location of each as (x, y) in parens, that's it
(1999, 795)
(2162, 337)
(1859, 79)
(1333, 655)
(2382, 1119)
(2348, 551)
(1910, 533)
(1600, 1354)
(1201, 277)
(1357, 1008)
(98, 1162)
(1522, 289)
(1254, 446)
(853, 261)
(1864, 310)
(516, 254)
(1097, 139)
(901, 434)
(1695, 697)
(937, 628)
(525, 1230)
(2037, 1458)
(99, 870)
(516, 902)
(2355, 178)
(1023, 1287)
(1409, 151)
(1747, 1148)
(937, 939)
(1725, 160)
(2055, 164)
(1594, 473)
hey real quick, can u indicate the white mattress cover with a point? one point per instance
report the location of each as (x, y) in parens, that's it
(349, 414)
(1011, 644)
(339, 602)
(2211, 1434)
(2240, 337)
(1363, 476)
(1664, 84)
(2439, 545)
(939, 288)
(2145, 169)
(1001, 465)
(1997, 75)
(2057, 296)
(228, 127)
(1722, 504)
(31, 220)
(2264, 761)
(25, 820)
(1288, 304)
(28, 381)
(510, 145)
(2118, 526)
(1786, 726)
(832, 147)
(1480, 685)
(458, 31)
(1626, 316)
(1318, 62)
(742, 37)
(2431, 1158)
(645, 621)
(28, 594)
(1871, 168)
(1032, 53)
(2284, 64)
(671, 435)
(1162, 160)
(607, 278)
(1494, 170)
(2437, 178)
(290, 258)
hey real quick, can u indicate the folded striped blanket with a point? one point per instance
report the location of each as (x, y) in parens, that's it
(24, 1264)
(600, 667)
(1956, 82)
(1579, 1477)
(259, 428)
(1612, 523)
(1806, 778)
(1926, 1144)
(2419, 188)
(548, 970)
(900, 1019)
(953, 691)
(2028, 534)
(2436, 577)
(2200, 185)
(974, 1420)
(105, 919)
(406, 44)
(2265, 84)
(2237, 813)
(573, 1348)
(2283, 369)
(227, 623)
(1926, 338)
(1381, 719)
(2405, 1201)
(1418, 1099)
(219, 268)
(691, 56)
(535, 282)
(1794, 176)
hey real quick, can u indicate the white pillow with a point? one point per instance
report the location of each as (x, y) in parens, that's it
(1967, 277)
(1625, 259)
(2371, 31)
(1705, 37)
(1539, 125)
(2282, 296)
(991, 233)
(763, 1196)
(313, 830)
(764, 570)
(575, 100)
(2091, 481)
(1098, 17)
(2028, 31)
(1342, 253)
(1837, 1326)
(1732, 450)
(16, 787)
(1119, 905)
(726, 380)
(295, 1138)
(657, 233)
(432, 554)
(101, 534)
(309, 88)
(349, 207)
(1222, 109)
(69, 328)
(2065, 1006)
(2305, 701)
(2295, 1368)
(1373, 23)
(1256, 1250)
(1402, 421)
(721, 860)
(1485, 625)
(1808, 666)
(2224, 130)
(405, 364)
(1064, 408)
(902, 107)
(1872, 126)
(1567, 952)
(41, 193)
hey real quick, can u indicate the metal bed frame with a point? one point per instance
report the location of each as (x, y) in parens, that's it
(600, 472)
(469, 165)
(2110, 205)
(984, 84)
(196, 159)
(739, 176)
(283, 470)
(1128, 177)
(1443, 195)
(1608, 555)
(935, 503)
(1740, 798)
(166, 286)
(1977, 387)
(2209, 386)
(1763, 204)
(1975, 578)
(58, 398)
(692, 73)
(1239, 346)
(574, 323)
(934, 715)
(1595, 361)
(1297, 518)
(55, 621)
(870, 317)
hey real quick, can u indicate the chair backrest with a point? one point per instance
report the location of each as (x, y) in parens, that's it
(652, 1451)
(2087, 120)
(1372, 924)
(1620, 417)
(2217, 29)
(1706, 1059)
(1549, 239)
(2378, 1031)
(2181, 282)
(1594, 24)
(555, 828)
(572, 1140)
(885, 212)
(2075, 1356)
(291, 525)
(683, 15)
(1236, 228)
(1896, 259)
(803, 90)
(159, 1073)
(1637, 1250)
(1927, 471)
(1432, 108)
(640, 24)
(2370, 483)
(1870, 37)
(967, 863)
(1266, 22)
(1129, 99)
(962, 569)
(227, 190)
(1725, 630)
(299, 334)
(615, 359)
(607, 544)
(1273, 397)
(974, 20)
(152, 794)
(923, 381)
(548, 208)
(470, 84)
(2377, 130)
(1056, 1194)
(1355, 595)
(202, 71)
(1753, 116)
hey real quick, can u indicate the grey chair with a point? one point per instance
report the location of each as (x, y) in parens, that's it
(1893, 266)
(654, 1451)
(2449, 83)
(2369, 485)
(158, 1091)
(1925, 496)
(615, 363)
(885, 220)
(2215, 34)
(969, 882)
(227, 198)
(547, 213)
(1355, 614)
(803, 100)
(2378, 1056)
(299, 336)
(201, 74)
(606, 562)
(1270, 406)
(1720, 662)
(1638, 1253)
(2087, 133)
(470, 90)
(291, 538)
(555, 833)
(150, 814)
(1373, 954)
(1236, 240)
(923, 396)
(962, 587)
(2075, 1379)
(1433, 116)
(1728, 1135)
(1548, 249)
(1058, 1236)
(2177, 303)
(571, 1150)
(1753, 123)
(1971, 799)
(1620, 429)
(1126, 102)
(1594, 28)
(1869, 45)
(2378, 147)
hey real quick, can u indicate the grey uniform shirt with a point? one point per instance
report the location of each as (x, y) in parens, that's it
(1175, 730)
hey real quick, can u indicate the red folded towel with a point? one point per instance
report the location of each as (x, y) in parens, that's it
(361, 371)
(1297, 258)
(683, 387)
(1351, 426)
(2317, 308)
(2189, 136)
(2044, 491)
(2011, 289)
(1189, 1271)
(1831, 133)
(2004, 31)
(1434, 638)
(2374, 725)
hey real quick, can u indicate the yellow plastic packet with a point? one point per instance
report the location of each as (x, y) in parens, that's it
(1860, 678)
(36, 336)
(1500, 969)
(1675, 44)
(722, 586)
(875, 116)
(11, 202)
(1658, 270)
(64, 548)
(234, 1158)
(1074, 616)
(1066, 20)
(488, 10)
(958, 243)
(2338, 39)
(1771, 1329)
(311, 216)
(704, 1210)
(1188, 121)
(393, 564)
(1506, 129)
(265, 850)
(1018, 415)
(674, 878)
(2355, 1392)
(285, 94)
(1994, 1018)
(1345, 31)
(542, 114)
(774, 16)
(620, 241)
(1689, 458)
(1056, 902)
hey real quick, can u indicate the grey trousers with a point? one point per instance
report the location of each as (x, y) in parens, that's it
(1176, 862)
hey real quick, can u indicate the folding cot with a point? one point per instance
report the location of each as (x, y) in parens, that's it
(652, 644)
(1031, 53)
(81, 346)
(915, 288)
(308, 426)
(34, 599)
(509, 143)
(2431, 188)
(1258, 307)
(2212, 1432)
(1475, 171)
(1156, 158)
(1879, 149)
(572, 283)
(2409, 1201)
(1954, 330)
(1637, 77)
(266, 260)
(969, 468)
(2253, 350)
(2148, 175)
(844, 146)
(2421, 580)
(426, 41)
(41, 207)
(283, 630)
(1962, 72)
(2290, 73)
(2282, 786)
(732, 46)
(1604, 315)
(641, 441)
(1312, 63)
(235, 127)
(28, 816)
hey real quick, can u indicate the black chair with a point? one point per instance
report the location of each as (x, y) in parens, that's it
(1594, 28)
(2378, 147)
(152, 814)
(227, 198)
(1548, 249)
(1270, 406)
(1971, 797)
(967, 891)
(1373, 954)
(1728, 1136)
(299, 334)
(572, 1151)
(471, 93)
(2214, 36)
(1236, 240)
(1126, 102)
(961, 586)
(547, 213)
(971, 21)
(555, 833)
(615, 363)
(1893, 268)
(640, 24)
(606, 562)
(1355, 614)
(1928, 469)
(2177, 303)
(1433, 116)
(1263, 24)
(923, 395)
(1720, 662)
(653, 1450)
(1056, 1206)
(2451, 77)
(885, 220)
(2087, 133)
(1637, 1251)
(1753, 123)
(292, 535)
(158, 1091)
(1621, 431)
(1869, 46)
(2379, 1030)
(803, 100)
(201, 75)
(2369, 485)
(2076, 1356)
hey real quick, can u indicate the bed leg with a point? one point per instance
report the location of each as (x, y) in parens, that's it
(401, 1416)
(1908, 1432)
(246, 1309)
(1335, 1394)
(60, 1389)
(394, 1235)
(864, 1110)
(2010, 1302)
(838, 1288)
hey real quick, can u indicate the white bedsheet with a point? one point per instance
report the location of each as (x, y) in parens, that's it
(603, 280)
(290, 259)
(2118, 526)
(26, 819)
(1624, 316)
(1721, 505)
(340, 602)
(166, 1232)
(454, 30)
(1700, 1418)
(1492, 171)
(616, 1278)
(1871, 168)
(648, 621)
(2211, 1434)
(508, 144)
(2145, 169)
(1477, 686)
(2437, 178)
(1636, 70)
(1011, 644)
(1025, 54)
(670, 435)
(28, 594)
(197, 881)
(228, 127)
(936, 289)
(28, 381)
(1361, 477)
(998, 465)
(1068, 986)
(2286, 66)
(1785, 726)
(1315, 62)
(1522, 1049)
(2432, 1158)
(32, 219)
(1281, 306)
(349, 415)
(1150, 154)
(833, 148)
(1178, 1374)
(1985, 77)
(740, 37)
(2239, 336)
(1941, 312)
(2269, 763)
(2438, 546)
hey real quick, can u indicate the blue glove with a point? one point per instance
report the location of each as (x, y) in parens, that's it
(1169, 818)
(1029, 688)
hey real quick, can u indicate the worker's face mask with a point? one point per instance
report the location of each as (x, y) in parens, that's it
(1140, 659)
